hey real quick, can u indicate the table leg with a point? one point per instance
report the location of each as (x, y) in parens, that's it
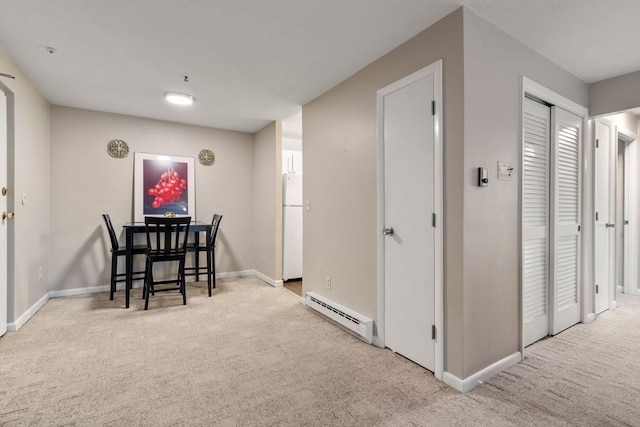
(129, 266)
(209, 259)
(197, 255)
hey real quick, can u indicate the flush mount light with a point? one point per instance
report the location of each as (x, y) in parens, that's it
(179, 98)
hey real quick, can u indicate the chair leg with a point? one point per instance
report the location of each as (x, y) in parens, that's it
(148, 283)
(197, 264)
(209, 266)
(184, 291)
(149, 275)
(213, 267)
(114, 271)
(183, 283)
(145, 280)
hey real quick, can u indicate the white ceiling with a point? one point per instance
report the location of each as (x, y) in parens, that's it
(253, 61)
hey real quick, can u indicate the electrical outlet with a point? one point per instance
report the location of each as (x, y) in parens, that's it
(308, 205)
(327, 282)
(262, 255)
(40, 273)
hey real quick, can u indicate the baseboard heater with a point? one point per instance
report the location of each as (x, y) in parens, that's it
(351, 320)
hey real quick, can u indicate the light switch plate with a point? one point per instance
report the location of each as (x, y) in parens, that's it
(505, 171)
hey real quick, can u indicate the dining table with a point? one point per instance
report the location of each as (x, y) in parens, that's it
(139, 227)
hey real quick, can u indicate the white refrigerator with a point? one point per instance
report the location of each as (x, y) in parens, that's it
(292, 226)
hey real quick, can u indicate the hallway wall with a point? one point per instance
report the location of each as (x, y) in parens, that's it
(29, 157)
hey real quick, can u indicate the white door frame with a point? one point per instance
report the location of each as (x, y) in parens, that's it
(436, 70)
(536, 90)
(633, 206)
(4, 231)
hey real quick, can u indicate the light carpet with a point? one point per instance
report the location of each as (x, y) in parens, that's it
(253, 355)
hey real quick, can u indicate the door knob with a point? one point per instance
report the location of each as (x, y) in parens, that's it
(388, 231)
(7, 215)
(5, 191)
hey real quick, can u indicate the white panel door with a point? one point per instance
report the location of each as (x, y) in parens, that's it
(566, 215)
(3, 208)
(535, 220)
(604, 235)
(409, 202)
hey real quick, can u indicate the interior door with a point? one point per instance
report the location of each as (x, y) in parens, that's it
(603, 237)
(566, 212)
(535, 220)
(409, 203)
(3, 208)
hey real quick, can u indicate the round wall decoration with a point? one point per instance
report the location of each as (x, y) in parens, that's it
(207, 158)
(117, 148)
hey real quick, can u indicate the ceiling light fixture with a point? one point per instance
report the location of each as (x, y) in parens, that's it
(179, 98)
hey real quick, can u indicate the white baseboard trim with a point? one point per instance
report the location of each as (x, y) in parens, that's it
(481, 376)
(266, 278)
(24, 318)
(614, 304)
(453, 381)
(79, 291)
(590, 317)
(20, 321)
(278, 283)
(240, 273)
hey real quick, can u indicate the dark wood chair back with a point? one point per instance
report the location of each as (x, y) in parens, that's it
(112, 234)
(214, 230)
(167, 236)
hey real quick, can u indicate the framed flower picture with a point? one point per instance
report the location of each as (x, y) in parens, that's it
(163, 186)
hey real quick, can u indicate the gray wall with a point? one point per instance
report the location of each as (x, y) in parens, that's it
(614, 95)
(28, 145)
(340, 144)
(494, 64)
(482, 98)
(86, 182)
(267, 202)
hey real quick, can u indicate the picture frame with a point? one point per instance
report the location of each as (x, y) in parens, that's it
(163, 185)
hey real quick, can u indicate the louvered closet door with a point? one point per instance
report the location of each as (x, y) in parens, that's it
(566, 214)
(535, 220)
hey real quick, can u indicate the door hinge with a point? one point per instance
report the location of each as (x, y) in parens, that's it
(433, 332)
(578, 228)
(597, 289)
(596, 216)
(433, 108)
(597, 143)
(433, 220)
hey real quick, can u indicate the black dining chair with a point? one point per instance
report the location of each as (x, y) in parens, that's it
(166, 242)
(116, 251)
(211, 256)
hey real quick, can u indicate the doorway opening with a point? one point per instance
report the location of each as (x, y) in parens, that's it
(622, 131)
(292, 206)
